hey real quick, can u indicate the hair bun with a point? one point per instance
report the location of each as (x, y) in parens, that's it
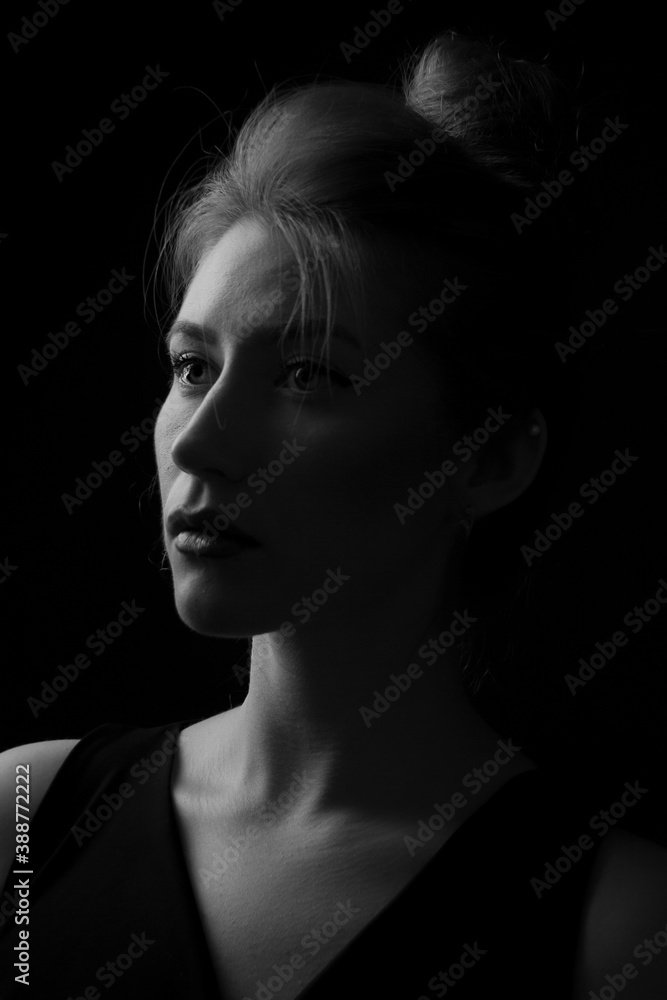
(511, 115)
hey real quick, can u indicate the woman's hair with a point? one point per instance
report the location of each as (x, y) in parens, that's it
(415, 185)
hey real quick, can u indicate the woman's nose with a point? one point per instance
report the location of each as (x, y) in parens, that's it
(204, 444)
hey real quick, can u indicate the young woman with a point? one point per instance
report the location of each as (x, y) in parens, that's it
(362, 380)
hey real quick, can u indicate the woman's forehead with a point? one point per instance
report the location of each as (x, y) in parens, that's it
(251, 277)
(248, 258)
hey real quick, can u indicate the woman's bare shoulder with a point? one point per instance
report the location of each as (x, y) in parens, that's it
(36, 764)
(41, 760)
(624, 929)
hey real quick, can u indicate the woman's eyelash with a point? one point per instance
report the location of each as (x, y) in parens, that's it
(178, 362)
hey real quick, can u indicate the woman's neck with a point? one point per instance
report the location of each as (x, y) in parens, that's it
(371, 716)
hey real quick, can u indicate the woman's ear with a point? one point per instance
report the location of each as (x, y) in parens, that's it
(503, 467)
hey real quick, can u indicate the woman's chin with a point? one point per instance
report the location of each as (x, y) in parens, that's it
(222, 616)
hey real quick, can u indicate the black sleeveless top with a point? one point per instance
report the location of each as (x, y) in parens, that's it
(111, 905)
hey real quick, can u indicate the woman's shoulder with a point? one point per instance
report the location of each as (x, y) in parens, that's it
(624, 921)
(36, 764)
(99, 753)
(32, 767)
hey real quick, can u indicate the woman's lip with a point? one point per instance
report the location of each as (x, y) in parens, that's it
(197, 544)
(202, 521)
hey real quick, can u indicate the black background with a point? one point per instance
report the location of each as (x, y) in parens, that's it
(60, 242)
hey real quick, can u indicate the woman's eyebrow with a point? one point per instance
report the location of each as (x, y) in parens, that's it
(313, 330)
(190, 329)
(207, 334)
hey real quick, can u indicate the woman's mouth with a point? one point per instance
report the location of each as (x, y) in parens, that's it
(199, 543)
(194, 532)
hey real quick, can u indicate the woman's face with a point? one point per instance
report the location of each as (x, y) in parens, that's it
(311, 471)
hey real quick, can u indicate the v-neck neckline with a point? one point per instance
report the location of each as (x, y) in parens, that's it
(384, 914)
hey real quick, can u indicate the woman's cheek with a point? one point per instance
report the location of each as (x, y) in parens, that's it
(354, 478)
(167, 428)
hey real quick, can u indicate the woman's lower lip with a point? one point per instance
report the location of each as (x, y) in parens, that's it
(197, 544)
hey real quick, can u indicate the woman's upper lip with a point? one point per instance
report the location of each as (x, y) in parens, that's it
(186, 519)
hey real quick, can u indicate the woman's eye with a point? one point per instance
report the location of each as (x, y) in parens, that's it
(308, 376)
(182, 363)
(300, 376)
